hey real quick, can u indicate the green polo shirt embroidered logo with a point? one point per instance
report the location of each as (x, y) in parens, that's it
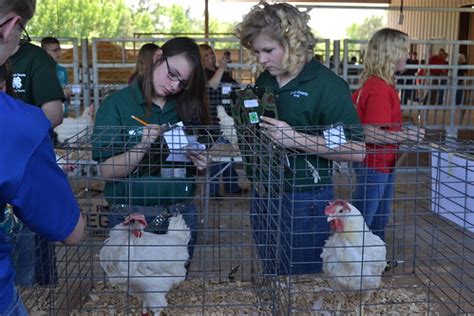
(17, 83)
(299, 94)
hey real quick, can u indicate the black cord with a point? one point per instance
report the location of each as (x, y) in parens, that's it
(400, 18)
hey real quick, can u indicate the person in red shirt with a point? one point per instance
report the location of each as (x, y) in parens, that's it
(437, 96)
(439, 59)
(379, 110)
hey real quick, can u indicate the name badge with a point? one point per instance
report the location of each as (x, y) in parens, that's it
(226, 89)
(251, 103)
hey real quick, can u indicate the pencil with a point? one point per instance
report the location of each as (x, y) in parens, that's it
(139, 120)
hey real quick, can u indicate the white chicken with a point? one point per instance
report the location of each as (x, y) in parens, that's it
(353, 257)
(227, 125)
(146, 265)
(72, 126)
(63, 163)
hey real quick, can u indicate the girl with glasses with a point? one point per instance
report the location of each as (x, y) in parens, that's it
(141, 175)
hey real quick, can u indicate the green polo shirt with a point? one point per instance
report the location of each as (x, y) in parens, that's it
(34, 78)
(314, 99)
(116, 132)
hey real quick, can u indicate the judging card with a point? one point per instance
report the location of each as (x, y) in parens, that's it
(176, 138)
(334, 136)
(179, 143)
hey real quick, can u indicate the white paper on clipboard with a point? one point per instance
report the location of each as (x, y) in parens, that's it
(179, 143)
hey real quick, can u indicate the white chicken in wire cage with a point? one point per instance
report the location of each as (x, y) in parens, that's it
(145, 264)
(226, 124)
(353, 257)
(73, 126)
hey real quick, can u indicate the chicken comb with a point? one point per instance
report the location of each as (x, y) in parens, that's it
(331, 205)
(135, 216)
(341, 203)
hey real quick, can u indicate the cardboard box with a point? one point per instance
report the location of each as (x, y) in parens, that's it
(452, 186)
(95, 210)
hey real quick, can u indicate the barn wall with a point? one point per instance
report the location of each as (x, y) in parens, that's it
(428, 25)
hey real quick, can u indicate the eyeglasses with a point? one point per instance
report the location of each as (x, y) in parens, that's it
(3, 24)
(183, 84)
(25, 38)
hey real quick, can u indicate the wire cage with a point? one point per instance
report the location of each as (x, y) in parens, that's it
(428, 239)
(244, 256)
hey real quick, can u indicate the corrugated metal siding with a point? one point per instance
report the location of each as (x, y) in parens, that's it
(428, 25)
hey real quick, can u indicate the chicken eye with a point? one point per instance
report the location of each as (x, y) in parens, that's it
(340, 211)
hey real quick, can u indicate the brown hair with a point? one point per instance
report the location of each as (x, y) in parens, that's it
(204, 48)
(49, 41)
(24, 8)
(144, 59)
(192, 105)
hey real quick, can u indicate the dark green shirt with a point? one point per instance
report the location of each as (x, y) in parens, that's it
(34, 76)
(116, 132)
(312, 101)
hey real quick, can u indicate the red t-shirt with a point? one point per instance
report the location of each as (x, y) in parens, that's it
(437, 60)
(379, 104)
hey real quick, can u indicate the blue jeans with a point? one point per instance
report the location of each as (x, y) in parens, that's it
(229, 175)
(290, 233)
(46, 271)
(24, 257)
(188, 211)
(34, 259)
(373, 197)
(16, 307)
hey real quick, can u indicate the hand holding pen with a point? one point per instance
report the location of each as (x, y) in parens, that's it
(150, 132)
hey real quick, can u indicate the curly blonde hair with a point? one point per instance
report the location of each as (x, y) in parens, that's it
(286, 25)
(385, 48)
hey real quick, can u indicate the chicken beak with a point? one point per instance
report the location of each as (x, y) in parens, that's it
(329, 211)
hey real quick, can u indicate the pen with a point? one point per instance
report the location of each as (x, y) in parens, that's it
(139, 120)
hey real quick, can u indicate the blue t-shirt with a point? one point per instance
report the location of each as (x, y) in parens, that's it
(31, 181)
(62, 75)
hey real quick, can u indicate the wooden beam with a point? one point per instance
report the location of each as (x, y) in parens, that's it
(206, 18)
(327, 1)
(348, 1)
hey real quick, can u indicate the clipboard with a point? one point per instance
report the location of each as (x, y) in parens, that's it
(249, 104)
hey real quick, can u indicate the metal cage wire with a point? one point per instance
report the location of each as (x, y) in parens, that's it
(429, 235)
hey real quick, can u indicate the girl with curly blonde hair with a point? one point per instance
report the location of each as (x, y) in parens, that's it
(308, 96)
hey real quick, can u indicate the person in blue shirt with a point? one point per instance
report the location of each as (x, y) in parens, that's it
(30, 180)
